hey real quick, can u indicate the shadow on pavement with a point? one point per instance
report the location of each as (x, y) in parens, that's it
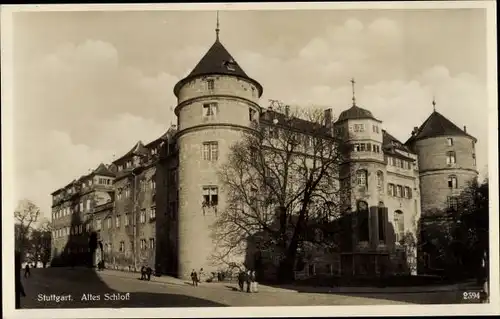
(87, 290)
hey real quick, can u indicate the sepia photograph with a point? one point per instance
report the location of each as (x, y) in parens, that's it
(264, 158)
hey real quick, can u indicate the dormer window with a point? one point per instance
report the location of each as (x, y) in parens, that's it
(120, 167)
(230, 65)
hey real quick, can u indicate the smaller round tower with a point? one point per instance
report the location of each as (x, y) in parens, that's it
(446, 159)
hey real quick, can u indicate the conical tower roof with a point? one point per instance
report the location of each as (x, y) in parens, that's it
(217, 61)
(437, 125)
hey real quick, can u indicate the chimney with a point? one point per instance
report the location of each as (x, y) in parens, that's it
(328, 117)
(287, 110)
(465, 129)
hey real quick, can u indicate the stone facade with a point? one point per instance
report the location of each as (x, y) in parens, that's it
(437, 171)
(155, 205)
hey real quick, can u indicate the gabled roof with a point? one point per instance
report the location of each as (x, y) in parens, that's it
(217, 61)
(138, 149)
(437, 125)
(390, 143)
(294, 122)
(355, 113)
(103, 170)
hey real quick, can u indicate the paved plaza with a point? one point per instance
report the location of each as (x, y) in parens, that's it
(86, 288)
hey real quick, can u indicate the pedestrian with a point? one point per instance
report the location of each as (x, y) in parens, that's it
(143, 273)
(149, 271)
(249, 280)
(253, 279)
(241, 280)
(194, 278)
(200, 275)
(19, 289)
(27, 272)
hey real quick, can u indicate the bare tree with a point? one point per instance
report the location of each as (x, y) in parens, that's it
(40, 242)
(278, 181)
(26, 214)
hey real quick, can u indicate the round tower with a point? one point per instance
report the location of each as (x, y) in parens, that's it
(446, 159)
(365, 168)
(217, 102)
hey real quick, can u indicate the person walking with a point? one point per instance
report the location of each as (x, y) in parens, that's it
(241, 280)
(253, 279)
(27, 272)
(200, 274)
(149, 271)
(249, 281)
(143, 273)
(19, 289)
(194, 278)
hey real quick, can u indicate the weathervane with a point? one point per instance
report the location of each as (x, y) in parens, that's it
(353, 92)
(434, 103)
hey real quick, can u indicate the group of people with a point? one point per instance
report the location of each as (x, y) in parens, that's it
(146, 273)
(196, 276)
(249, 278)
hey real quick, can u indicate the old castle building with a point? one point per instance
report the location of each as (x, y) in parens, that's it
(156, 203)
(447, 160)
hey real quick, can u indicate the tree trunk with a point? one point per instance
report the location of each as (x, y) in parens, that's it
(287, 266)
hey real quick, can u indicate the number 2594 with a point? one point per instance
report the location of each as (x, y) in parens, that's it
(472, 295)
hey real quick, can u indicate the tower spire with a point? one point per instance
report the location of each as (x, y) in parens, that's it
(434, 103)
(217, 27)
(353, 92)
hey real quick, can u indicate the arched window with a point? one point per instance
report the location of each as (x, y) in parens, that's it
(361, 178)
(380, 179)
(363, 222)
(452, 181)
(399, 226)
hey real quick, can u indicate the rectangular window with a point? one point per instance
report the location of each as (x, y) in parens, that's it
(210, 195)
(452, 182)
(210, 151)
(474, 159)
(98, 224)
(109, 222)
(407, 192)
(210, 109)
(449, 141)
(127, 192)
(210, 84)
(251, 114)
(273, 132)
(117, 221)
(450, 158)
(152, 213)
(398, 162)
(452, 203)
(356, 147)
(359, 127)
(81, 206)
(399, 191)
(144, 244)
(151, 243)
(143, 216)
(126, 221)
(153, 182)
(362, 147)
(361, 178)
(122, 246)
(88, 204)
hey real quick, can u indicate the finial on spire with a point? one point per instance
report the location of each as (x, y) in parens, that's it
(434, 103)
(217, 28)
(353, 92)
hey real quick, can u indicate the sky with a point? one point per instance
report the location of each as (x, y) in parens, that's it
(89, 85)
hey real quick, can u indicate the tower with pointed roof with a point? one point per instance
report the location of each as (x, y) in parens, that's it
(447, 161)
(217, 102)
